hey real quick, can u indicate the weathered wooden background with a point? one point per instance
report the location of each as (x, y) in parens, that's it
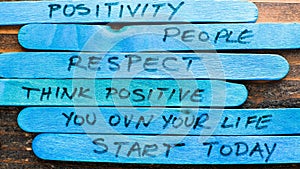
(15, 144)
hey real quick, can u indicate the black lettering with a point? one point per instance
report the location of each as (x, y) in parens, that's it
(53, 7)
(131, 61)
(181, 97)
(225, 153)
(45, 93)
(121, 11)
(109, 5)
(179, 124)
(167, 122)
(243, 35)
(78, 120)
(197, 96)
(186, 121)
(270, 152)
(238, 147)
(250, 120)
(175, 9)
(91, 122)
(222, 34)
(188, 38)
(150, 62)
(210, 146)
(262, 120)
(83, 10)
(135, 147)
(94, 61)
(139, 93)
(169, 146)
(120, 144)
(190, 59)
(97, 142)
(157, 6)
(110, 91)
(203, 36)
(172, 94)
(111, 118)
(75, 63)
(69, 118)
(132, 13)
(257, 149)
(124, 94)
(167, 67)
(82, 93)
(162, 90)
(65, 93)
(142, 120)
(29, 90)
(144, 10)
(167, 34)
(126, 121)
(112, 62)
(224, 125)
(65, 10)
(200, 121)
(148, 149)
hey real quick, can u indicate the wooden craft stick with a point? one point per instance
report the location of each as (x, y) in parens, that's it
(143, 65)
(168, 149)
(169, 121)
(24, 12)
(160, 37)
(125, 92)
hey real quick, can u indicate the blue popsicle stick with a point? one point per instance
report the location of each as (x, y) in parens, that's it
(168, 149)
(160, 121)
(143, 65)
(160, 37)
(14, 13)
(125, 92)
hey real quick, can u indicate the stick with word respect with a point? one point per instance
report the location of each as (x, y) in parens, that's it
(143, 65)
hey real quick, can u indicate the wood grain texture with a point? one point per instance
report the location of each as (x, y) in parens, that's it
(168, 149)
(15, 144)
(160, 37)
(124, 92)
(143, 65)
(181, 122)
(16, 13)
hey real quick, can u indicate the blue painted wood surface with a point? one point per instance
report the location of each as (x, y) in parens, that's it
(143, 65)
(13, 13)
(153, 121)
(160, 37)
(125, 92)
(168, 149)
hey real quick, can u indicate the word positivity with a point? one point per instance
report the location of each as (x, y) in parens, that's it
(125, 92)
(160, 37)
(155, 121)
(126, 11)
(168, 150)
(143, 65)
